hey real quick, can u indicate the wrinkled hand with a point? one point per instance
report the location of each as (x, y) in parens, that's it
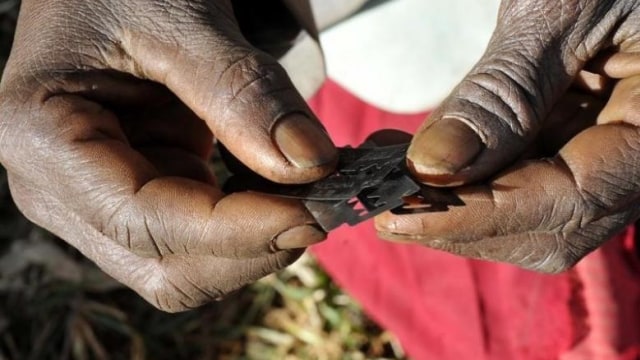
(108, 113)
(545, 129)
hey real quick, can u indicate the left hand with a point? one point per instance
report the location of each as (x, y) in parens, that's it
(547, 157)
(108, 111)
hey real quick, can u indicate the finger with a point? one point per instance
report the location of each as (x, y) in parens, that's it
(243, 94)
(544, 214)
(623, 104)
(496, 111)
(171, 283)
(84, 160)
(617, 65)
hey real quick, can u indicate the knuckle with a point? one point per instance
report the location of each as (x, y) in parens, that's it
(135, 228)
(20, 134)
(557, 264)
(85, 40)
(505, 92)
(173, 292)
(8, 115)
(169, 302)
(555, 255)
(250, 74)
(151, 284)
(35, 207)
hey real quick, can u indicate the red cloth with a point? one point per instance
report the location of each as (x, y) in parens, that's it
(445, 307)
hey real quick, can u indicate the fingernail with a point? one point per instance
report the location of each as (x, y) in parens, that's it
(444, 148)
(298, 237)
(303, 141)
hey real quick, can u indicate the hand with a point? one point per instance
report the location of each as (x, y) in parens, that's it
(542, 137)
(108, 113)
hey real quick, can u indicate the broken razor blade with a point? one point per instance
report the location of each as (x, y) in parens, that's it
(368, 181)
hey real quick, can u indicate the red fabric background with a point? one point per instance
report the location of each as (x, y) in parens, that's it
(446, 307)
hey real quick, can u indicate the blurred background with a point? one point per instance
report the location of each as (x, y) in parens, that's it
(55, 304)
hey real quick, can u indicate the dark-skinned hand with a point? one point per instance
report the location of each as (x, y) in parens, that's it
(540, 140)
(108, 111)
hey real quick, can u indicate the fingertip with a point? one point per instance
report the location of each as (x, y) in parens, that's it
(298, 151)
(303, 142)
(404, 229)
(388, 224)
(440, 151)
(249, 225)
(382, 223)
(297, 238)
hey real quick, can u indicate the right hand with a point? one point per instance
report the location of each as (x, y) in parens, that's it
(108, 109)
(541, 140)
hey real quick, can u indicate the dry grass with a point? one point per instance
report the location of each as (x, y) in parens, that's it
(54, 304)
(57, 305)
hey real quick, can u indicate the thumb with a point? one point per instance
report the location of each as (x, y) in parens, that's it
(245, 97)
(490, 118)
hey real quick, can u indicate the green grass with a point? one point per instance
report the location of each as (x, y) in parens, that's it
(55, 304)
